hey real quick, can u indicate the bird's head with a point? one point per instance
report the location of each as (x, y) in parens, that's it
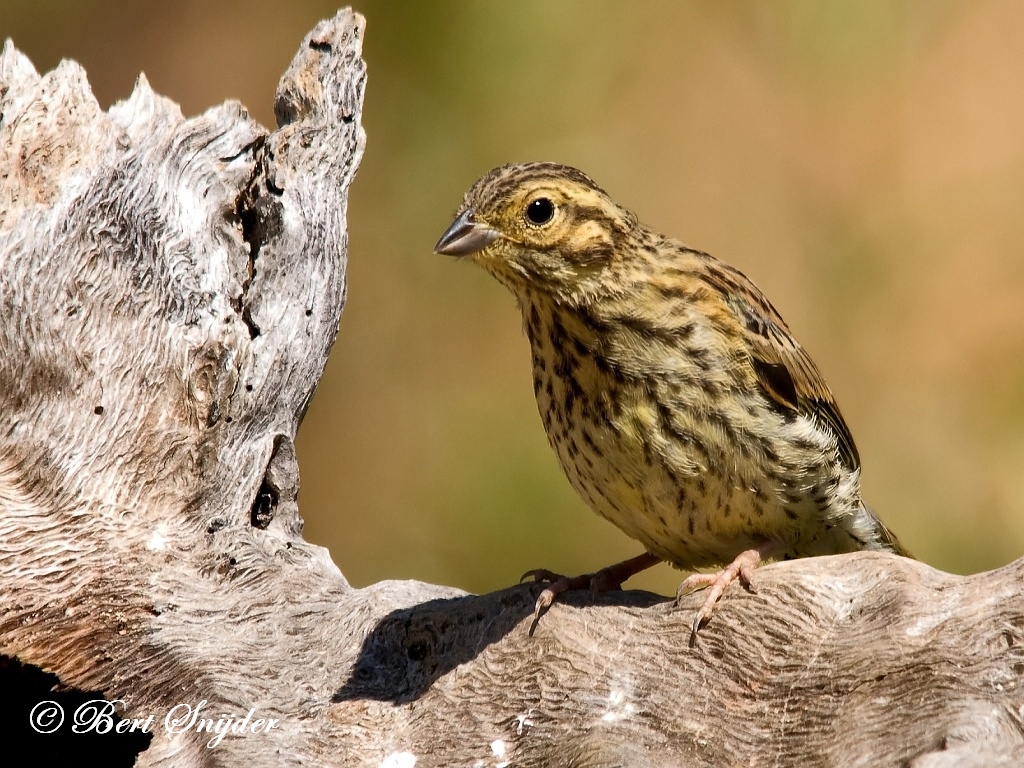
(541, 228)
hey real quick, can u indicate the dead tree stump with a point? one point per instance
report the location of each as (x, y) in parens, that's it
(169, 291)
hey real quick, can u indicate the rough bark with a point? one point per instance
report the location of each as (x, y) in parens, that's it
(169, 291)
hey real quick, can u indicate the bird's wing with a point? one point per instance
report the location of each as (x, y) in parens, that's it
(783, 368)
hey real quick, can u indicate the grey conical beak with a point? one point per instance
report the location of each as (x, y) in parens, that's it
(465, 236)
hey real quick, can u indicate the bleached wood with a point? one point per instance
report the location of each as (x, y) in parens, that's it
(169, 291)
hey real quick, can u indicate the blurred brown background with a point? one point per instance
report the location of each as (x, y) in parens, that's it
(862, 161)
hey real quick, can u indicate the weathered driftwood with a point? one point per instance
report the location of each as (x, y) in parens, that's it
(169, 291)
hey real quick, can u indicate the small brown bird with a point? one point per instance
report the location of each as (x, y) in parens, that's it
(679, 405)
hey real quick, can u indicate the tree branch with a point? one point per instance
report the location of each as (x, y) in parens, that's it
(169, 292)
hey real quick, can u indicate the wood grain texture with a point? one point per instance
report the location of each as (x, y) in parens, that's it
(169, 291)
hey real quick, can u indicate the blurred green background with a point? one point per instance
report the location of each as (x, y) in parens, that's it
(862, 161)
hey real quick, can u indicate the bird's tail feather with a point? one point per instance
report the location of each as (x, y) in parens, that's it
(887, 538)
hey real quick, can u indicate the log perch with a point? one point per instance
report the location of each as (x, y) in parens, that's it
(170, 289)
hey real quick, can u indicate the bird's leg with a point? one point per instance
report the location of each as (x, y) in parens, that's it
(742, 567)
(604, 580)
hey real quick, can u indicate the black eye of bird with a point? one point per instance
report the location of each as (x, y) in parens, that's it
(540, 211)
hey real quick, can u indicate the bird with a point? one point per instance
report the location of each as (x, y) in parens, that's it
(678, 402)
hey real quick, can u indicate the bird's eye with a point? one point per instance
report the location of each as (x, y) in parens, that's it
(540, 211)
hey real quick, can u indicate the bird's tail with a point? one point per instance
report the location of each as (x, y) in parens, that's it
(887, 538)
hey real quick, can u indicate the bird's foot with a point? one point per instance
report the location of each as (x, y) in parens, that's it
(605, 580)
(742, 567)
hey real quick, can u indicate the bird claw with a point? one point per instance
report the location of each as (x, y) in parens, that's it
(558, 585)
(693, 583)
(742, 568)
(541, 574)
(605, 580)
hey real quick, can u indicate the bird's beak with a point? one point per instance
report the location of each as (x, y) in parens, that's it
(465, 236)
